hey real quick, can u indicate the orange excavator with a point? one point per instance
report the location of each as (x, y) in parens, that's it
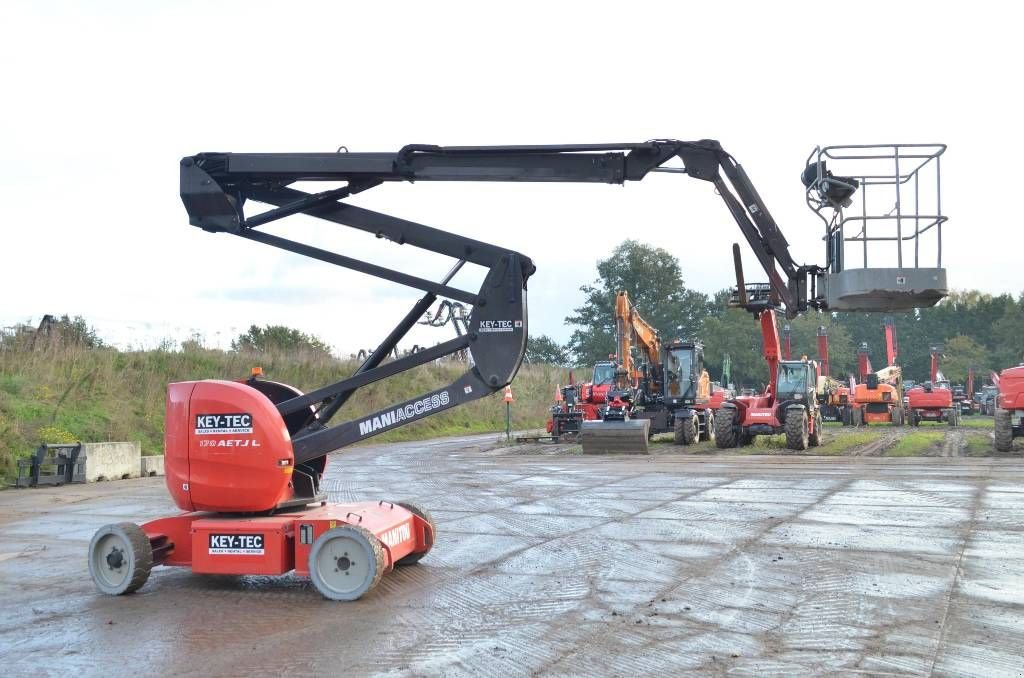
(668, 390)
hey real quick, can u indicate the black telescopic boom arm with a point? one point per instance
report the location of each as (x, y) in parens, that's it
(216, 186)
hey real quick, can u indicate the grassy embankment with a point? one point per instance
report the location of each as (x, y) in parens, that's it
(68, 393)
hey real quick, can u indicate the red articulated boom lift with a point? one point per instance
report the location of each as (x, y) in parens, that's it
(245, 459)
(933, 400)
(879, 396)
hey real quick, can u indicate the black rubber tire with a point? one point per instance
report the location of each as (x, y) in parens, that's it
(135, 550)
(414, 558)
(845, 416)
(856, 417)
(951, 417)
(684, 431)
(371, 548)
(796, 429)
(707, 431)
(556, 427)
(814, 439)
(1003, 438)
(897, 416)
(912, 418)
(725, 431)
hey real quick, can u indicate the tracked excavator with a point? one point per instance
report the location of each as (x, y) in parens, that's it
(245, 459)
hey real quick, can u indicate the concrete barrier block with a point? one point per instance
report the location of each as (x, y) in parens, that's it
(152, 466)
(112, 461)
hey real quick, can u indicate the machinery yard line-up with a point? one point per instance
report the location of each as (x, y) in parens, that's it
(244, 459)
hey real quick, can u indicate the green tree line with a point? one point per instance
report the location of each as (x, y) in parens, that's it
(974, 330)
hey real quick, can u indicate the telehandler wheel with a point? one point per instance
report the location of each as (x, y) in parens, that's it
(796, 429)
(414, 558)
(814, 439)
(1003, 430)
(951, 417)
(725, 432)
(708, 430)
(120, 558)
(346, 562)
(856, 417)
(913, 418)
(684, 430)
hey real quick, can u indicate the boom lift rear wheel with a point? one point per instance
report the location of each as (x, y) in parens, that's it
(346, 562)
(414, 558)
(120, 558)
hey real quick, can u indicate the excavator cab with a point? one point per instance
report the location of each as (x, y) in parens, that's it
(681, 372)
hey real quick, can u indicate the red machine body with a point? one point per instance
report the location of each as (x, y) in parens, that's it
(793, 410)
(229, 465)
(1011, 389)
(1009, 411)
(933, 400)
(585, 403)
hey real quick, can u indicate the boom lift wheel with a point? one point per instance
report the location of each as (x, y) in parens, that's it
(346, 562)
(414, 558)
(120, 558)
(796, 429)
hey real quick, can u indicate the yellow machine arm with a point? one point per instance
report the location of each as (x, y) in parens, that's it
(631, 329)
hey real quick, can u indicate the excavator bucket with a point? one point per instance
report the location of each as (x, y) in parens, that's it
(615, 437)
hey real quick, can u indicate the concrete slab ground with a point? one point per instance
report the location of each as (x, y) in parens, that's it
(566, 566)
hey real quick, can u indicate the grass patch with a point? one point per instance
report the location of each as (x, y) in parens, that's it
(99, 394)
(977, 422)
(978, 445)
(844, 443)
(916, 443)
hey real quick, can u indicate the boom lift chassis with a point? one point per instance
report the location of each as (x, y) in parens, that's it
(256, 507)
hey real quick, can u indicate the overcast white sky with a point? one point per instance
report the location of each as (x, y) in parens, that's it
(103, 98)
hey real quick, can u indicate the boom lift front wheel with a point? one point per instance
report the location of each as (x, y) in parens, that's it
(346, 562)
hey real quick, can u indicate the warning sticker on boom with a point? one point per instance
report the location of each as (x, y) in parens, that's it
(236, 544)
